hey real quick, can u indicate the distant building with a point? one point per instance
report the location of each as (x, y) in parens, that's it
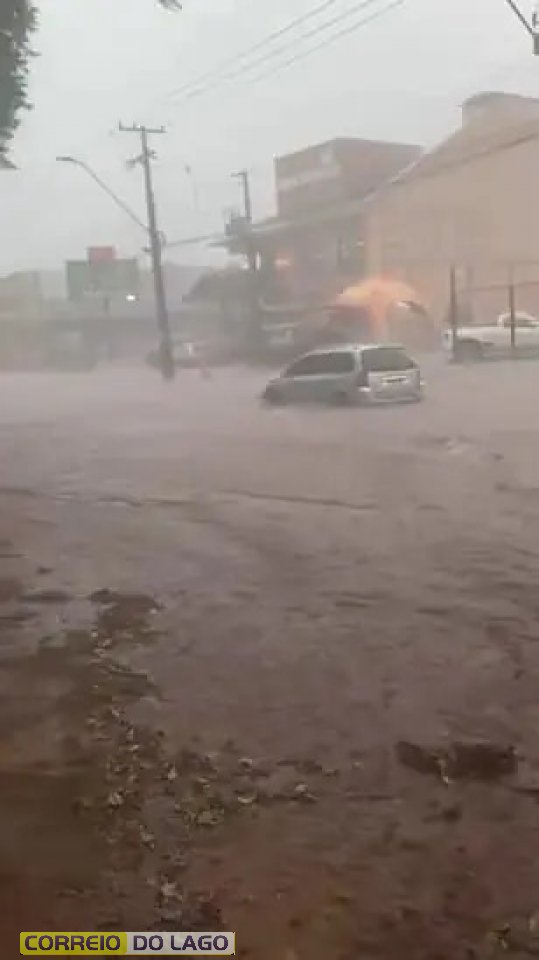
(469, 202)
(315, 244)
(21, 294)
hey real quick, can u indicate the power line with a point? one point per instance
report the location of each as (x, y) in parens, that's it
(194, 241)
(329, 40)
(230, 61)
(270, 55)
(531, 28)
(518, 13)
(339, 34)
(105, 187)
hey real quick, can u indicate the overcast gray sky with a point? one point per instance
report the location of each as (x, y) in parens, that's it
(399, 78)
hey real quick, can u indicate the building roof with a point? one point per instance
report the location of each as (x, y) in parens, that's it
(359, 142)
(468, 144)
(485, 97)
(277, 226)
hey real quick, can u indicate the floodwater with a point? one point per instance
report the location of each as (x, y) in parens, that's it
(230, 638)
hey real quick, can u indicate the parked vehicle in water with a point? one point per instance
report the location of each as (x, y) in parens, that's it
(349, 374)
(480, 342)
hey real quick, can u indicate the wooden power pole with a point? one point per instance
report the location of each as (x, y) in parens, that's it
(254, 305)
(166, 357)
(531, 28)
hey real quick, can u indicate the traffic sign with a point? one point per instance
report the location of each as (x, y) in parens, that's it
(101, 254)
(86, 278)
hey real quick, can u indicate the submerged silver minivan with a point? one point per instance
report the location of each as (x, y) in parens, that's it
(348, 374)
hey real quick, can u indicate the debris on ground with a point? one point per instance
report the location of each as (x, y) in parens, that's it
(459, 760)
(518, 938)
(271, 561)
(303, 794)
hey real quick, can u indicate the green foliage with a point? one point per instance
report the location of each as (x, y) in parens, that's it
(18, 19)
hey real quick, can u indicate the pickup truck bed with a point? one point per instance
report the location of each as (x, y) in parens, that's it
(494, 340)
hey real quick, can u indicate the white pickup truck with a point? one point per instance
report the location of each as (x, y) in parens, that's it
(494, 340)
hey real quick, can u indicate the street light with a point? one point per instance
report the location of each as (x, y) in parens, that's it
(117, 200)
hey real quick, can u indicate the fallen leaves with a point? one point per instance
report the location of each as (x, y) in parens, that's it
(115, 799)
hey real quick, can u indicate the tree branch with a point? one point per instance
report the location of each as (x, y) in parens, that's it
(18, 20)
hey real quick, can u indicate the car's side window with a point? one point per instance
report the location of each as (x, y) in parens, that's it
(303, 367)
(322, 363)
(298, 368)
(338, 362)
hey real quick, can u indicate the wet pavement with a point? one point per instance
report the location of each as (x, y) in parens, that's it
(256, 664)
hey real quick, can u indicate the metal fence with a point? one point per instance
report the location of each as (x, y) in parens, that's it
(511, 302)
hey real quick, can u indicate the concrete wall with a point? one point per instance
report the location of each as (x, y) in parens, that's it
(481, 214)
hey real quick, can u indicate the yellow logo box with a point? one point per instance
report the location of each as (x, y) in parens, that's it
(97, 943)
(72, 944)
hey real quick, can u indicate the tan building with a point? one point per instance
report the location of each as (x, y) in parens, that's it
(315, 245)
(473, 202)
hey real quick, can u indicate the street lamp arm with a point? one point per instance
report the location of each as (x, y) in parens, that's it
(117, 200)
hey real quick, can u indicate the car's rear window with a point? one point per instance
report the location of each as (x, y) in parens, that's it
(386, 359)
(335, 361)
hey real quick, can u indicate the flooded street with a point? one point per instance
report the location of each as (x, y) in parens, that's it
(230, 637)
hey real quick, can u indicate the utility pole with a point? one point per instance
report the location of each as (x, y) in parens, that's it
(243, 177)
(531, 28)
(512, 309)
(145, 158)
(453, 312)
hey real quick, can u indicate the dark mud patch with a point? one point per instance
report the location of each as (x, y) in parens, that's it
(47, 597)
(10, 589)
(34, 798)
(16, 618)
(124, 616)
(459, 760)
(108, 823)
(436, 610)
(76, 818)
(358, 601)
